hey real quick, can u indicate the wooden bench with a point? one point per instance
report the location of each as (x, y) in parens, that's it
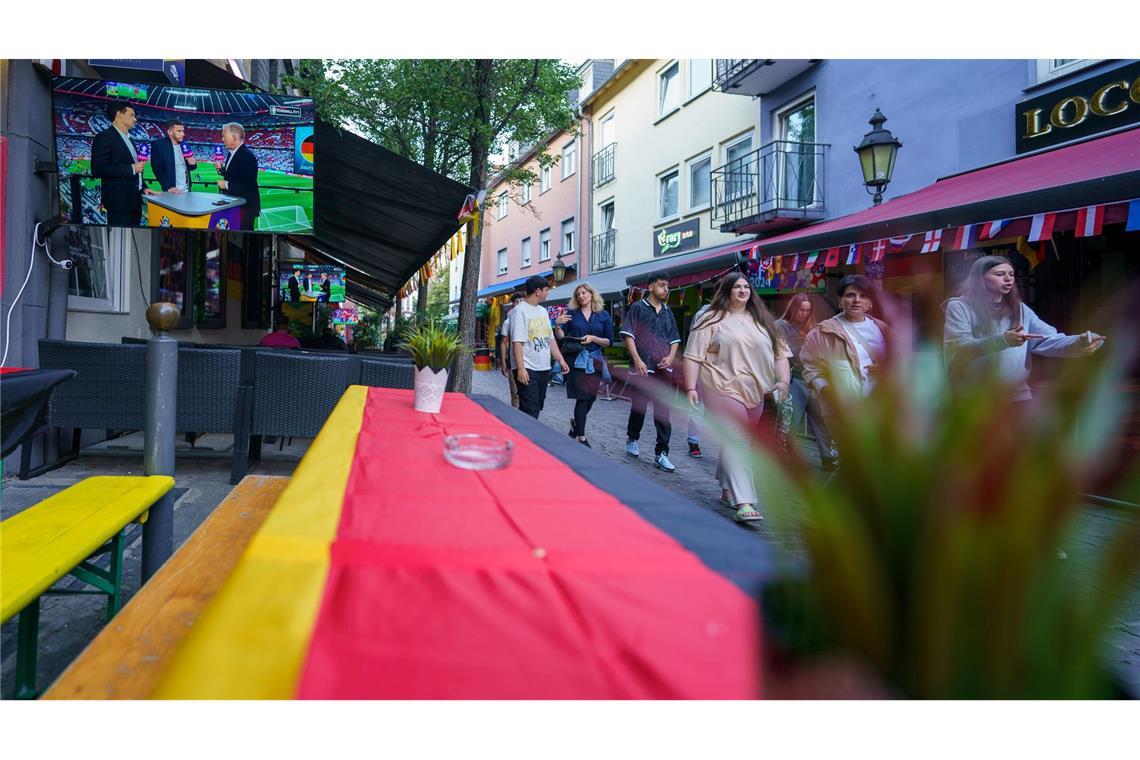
(60, 536)
(129, 655)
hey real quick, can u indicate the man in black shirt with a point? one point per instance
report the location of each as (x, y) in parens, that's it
(651, 337)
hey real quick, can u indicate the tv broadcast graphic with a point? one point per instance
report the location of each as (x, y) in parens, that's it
(145, 155)
(312, 282)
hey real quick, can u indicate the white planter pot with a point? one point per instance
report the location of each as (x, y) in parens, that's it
(429, 389)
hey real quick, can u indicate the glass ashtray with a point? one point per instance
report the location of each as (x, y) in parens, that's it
(470, 451)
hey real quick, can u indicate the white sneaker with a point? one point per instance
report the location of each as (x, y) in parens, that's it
(633, 449)
(664, 463)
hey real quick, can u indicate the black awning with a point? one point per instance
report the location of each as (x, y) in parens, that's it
(379, 213)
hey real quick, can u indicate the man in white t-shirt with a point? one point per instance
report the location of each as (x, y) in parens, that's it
(506, 363)
(532, 346)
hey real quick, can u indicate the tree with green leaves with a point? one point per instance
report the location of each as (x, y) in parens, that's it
(450, 116)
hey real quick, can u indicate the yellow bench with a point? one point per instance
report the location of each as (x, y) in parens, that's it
(59, 536)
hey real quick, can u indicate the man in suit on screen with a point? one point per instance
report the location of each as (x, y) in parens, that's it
(115, 162)
(239, 172)
(171, 165)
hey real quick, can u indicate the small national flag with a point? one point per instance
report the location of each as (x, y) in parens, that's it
(796, 263)
(878, 250)
(1133, 222)
(965, 237)
(754, 253)
(932, 241)
(1090, 219)
(1042, 227)
(812, 258)
(1033, 255)
(853, 254)
(897, 243)
(832, 259)
(777, 265)
(990, 230)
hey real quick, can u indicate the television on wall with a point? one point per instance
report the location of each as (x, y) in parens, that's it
(312, 282)
(146, 155)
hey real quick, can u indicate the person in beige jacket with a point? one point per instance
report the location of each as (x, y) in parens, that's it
(847, 349)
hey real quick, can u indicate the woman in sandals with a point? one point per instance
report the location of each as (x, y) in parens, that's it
(737, 354)
(584, 330)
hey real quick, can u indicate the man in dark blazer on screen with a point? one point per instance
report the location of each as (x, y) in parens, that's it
(171, 168)
(115, 162)
(239, 172)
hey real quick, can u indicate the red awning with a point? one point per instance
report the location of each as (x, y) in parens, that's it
(1098, 171)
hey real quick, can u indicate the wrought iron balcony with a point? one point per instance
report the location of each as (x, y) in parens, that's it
(602, 248)
(780, 185)
(604, 165)
(755, 76)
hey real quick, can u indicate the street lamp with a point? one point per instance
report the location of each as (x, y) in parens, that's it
(877, 156)
(559, 270)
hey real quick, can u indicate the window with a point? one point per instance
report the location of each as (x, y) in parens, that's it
(543, 179)
(608, 216)
(567, 237)
(609, 136)
(1051, 68)
(739, 168)
(796, 157)
(501, 210)
(502, 260)
(524, 194)
(668, 90)
(190, 274)
(96, 282)
(526, 252)
(667, 187)
(699, 182)
(544, 245)
(700, 76)
(569, 159)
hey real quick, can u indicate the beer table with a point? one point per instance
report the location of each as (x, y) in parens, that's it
(384, 572)
(196, 210)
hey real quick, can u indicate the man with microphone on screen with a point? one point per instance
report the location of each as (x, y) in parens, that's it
(171, 160)
(239, 172)
(116, 163)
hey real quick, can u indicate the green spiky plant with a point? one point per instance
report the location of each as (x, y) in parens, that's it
(432, 345)
(932, 553)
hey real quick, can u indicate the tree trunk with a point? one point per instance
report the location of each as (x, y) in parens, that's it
(422, 299)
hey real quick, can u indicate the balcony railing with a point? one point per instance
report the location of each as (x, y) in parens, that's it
(727, 69)
(604, 165)
(779, 185)
(602, 249)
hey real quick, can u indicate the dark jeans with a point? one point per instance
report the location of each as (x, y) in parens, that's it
(532, 396)
(581, 408)
(644, 389)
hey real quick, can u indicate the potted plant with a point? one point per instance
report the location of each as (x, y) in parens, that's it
(433, 348)
(930, 565)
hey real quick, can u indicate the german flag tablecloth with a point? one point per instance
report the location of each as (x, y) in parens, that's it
(384, 572)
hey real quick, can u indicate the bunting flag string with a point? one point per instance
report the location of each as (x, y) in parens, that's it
(932, 241)
(1041, 227)
(1090, 220)
(853, 254)
(965, 237)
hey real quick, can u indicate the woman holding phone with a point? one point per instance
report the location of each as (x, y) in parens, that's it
(990, 330)
(583, 331)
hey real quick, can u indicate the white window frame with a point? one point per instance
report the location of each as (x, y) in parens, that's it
(524, 252)
(779, 117)
(675, 172)
(544, 245)
(502, 262)
(1047, 70)
(690, 165)
(729, 144)
(501, 210)
(706, 86)
(524, 193)
(661, 110)
(602, 122)
(117, 253)
(573, 236)
(570, 163)
(543, 179)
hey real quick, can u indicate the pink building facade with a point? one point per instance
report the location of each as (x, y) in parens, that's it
(528, 228)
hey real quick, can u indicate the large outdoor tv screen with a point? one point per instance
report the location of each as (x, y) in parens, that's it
(145, 155)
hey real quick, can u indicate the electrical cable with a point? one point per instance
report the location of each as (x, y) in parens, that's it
(138, 268)
(8, 322)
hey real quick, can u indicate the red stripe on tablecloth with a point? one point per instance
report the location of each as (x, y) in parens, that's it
(522, 583)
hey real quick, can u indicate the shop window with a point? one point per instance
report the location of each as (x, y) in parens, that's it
(191, 275)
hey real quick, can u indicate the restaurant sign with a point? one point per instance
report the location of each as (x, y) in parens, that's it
(678, 238)
(1088, 107)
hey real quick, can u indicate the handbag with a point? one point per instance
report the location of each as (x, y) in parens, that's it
(570, 347)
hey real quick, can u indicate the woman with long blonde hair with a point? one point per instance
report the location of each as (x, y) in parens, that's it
(583, 331)
(795, 324)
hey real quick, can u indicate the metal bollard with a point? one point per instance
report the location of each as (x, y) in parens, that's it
(158, 448)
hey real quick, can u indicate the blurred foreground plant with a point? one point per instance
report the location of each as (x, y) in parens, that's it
(933, 550)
